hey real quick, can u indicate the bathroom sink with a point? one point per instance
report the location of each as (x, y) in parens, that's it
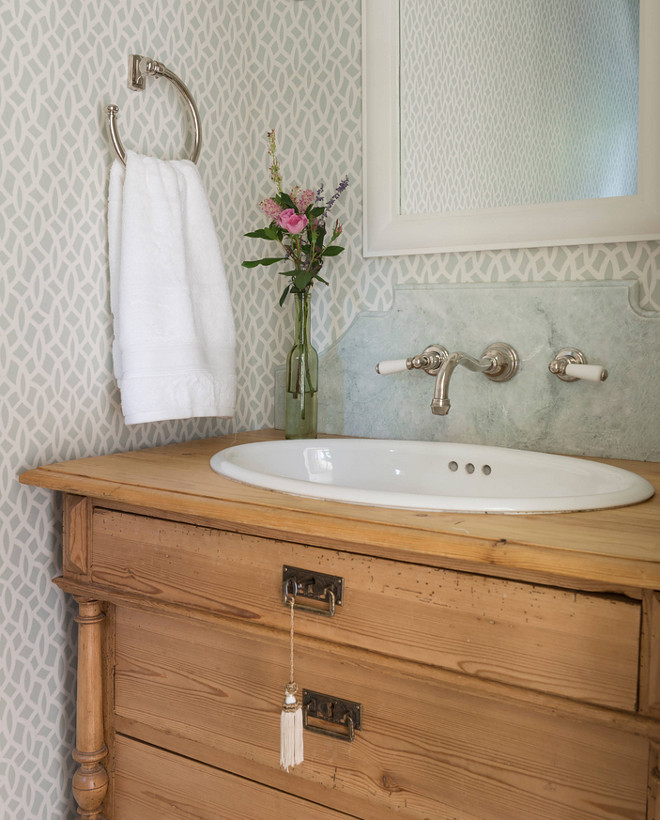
(423, 475)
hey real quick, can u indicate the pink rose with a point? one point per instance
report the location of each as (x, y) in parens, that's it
(291, 221)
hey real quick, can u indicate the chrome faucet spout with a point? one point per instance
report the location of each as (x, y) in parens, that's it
(440, 403)
(499, 362)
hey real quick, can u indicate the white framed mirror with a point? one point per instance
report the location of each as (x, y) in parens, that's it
(509, 124)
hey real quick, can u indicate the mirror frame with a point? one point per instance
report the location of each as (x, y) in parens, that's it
(386, 232)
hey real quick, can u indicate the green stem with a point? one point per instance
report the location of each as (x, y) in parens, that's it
(303, 374)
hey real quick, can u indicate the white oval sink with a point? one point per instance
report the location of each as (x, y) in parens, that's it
(425, 475)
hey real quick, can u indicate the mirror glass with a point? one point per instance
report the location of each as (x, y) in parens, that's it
(509, 123)
(516, 102)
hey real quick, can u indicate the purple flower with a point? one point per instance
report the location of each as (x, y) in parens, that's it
(343, 185)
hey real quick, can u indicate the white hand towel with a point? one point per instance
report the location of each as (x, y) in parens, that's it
(174, 329)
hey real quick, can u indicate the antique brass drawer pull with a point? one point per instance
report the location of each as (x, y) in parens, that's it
(332, 710)
(315, 586)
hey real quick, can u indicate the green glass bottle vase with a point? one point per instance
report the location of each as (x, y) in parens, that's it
(302, 375)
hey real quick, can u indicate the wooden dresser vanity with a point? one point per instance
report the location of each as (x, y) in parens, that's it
(494, 667)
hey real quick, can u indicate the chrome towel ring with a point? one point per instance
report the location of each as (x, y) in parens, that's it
(139, 67)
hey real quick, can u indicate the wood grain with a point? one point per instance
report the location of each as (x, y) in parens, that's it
(90, 781)
(77, 512)
(632, 722)
(108, 695)
(621, 545)
(653, 809)
(583, 647)
(485, 695)
(156, 784)
(425, 750)
(649, 686)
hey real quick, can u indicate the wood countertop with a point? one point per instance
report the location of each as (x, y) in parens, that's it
(614, 548)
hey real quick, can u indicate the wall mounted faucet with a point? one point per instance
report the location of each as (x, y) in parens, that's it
(499, 362)
(570, 364)
(430, 360)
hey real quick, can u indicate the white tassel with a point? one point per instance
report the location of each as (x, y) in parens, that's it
(291, 730)
(291, 722)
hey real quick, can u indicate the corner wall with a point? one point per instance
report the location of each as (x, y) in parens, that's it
(62, 62)
(252, 65)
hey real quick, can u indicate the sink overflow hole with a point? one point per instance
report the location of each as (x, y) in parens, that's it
(469, 468)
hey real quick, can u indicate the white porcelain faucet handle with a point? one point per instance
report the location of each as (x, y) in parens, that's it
(588, 372)
(390, 366)
(570, 364)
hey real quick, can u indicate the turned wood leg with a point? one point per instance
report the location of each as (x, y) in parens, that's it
(90, 782)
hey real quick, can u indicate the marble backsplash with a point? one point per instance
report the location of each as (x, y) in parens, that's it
(618, 418)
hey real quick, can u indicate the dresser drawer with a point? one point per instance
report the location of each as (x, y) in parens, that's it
(425, 749)
(579, 645)
(153, 784)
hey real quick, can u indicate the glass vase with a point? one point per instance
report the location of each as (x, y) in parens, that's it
(302, 373)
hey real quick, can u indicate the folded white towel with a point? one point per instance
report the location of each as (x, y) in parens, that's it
(174, 329)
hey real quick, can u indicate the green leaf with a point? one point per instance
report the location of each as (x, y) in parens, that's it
(285, 293)
(286, 200)
(332, 250)
(287, 272)
(316, 212)
(268, 261)
(262, 233)
(303, 279)
(321, 279)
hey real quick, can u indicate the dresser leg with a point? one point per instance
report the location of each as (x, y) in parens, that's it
(90, 782)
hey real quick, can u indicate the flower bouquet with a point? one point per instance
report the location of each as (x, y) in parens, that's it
(298, 226)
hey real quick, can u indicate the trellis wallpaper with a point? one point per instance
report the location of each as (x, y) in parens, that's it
(252, 65)
(499, 131)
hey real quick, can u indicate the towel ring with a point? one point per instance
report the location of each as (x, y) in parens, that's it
(139, 67)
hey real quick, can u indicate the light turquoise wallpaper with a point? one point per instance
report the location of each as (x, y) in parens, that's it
(62, 62)
(517, 102)
(252, 65)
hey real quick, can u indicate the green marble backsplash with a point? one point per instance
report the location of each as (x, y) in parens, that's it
(535, 410)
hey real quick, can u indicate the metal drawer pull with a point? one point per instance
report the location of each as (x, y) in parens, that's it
(331, 710)
(316, 586)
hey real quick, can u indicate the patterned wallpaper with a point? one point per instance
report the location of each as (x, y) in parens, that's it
(252, 65)
(482, 125)
(62, 62)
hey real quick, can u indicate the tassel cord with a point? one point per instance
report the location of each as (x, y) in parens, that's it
(292, 604)
(291, 728)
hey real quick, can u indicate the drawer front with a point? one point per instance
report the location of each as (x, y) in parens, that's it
(425, 749)
(151, 783)
(578, 645)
